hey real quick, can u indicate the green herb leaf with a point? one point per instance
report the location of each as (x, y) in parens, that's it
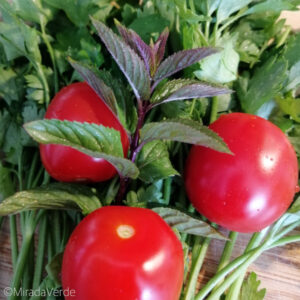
(8, 85)
(250, 288)
(154, 163)
(91, 139)
(290, 106)
(271, 6)
(101, 89)
(129, 62)
(53, 196)
(181, 60)
(181, 89)
(221, 67)
(294, 77)
(228, 7)
(186, 131)
(265, 84)
(187, 224)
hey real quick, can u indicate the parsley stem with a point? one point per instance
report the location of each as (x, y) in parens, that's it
(167, 190)
(194, 273)
(214, 109)
(1, 221)
(38, 271)
(14, 240)
(254, 242)
(225, 258)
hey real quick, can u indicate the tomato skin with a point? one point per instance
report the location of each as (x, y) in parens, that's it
(98, 264)
(249, 190)
(78, 102)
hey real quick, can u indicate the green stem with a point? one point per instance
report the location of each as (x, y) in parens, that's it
(31, 171)
(254, 242)
(167, 190)
(28, 270)
(225, 258)
(236, 273)
(196, 267)
(56, 232)
(22, 259)
(221, 274)
(38, 271)
(286, 240)
(51, 53)
(214, 109)
(14, 240)
(1, 222)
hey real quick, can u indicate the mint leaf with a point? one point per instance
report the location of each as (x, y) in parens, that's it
(91, 139)
(154, 163)
(53, 196)
(187, 224)
(129, 62)
(265, 84)
(101, 89)
(181, 89)
(126, 109)
(6, 184)
(250, 288)
(185, 131)
(181, 60)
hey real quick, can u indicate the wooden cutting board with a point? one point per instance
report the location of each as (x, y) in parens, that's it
(278, 269)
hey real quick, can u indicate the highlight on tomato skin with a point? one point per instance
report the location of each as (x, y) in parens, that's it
(252, 188)
(123, 253)
(79, 102)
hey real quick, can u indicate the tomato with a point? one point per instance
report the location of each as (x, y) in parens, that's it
(79, 102)
(250, 189)
(123, 253)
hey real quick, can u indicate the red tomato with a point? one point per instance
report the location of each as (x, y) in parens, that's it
(79, 102)
(123, 253)
(251, 189)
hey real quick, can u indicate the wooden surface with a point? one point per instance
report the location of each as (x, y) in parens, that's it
(278, 270)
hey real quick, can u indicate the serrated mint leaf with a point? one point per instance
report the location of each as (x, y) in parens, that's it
(126, 110)
(91, 139)
(128, 61)
(250, 288)
(265, 84)
(160, 46)
(53, 196)
(185, 131)
(181, 60)
(181, 89)
(133, 40)
(154, 163)
(228, 7)
(186, 224)
(102, 90)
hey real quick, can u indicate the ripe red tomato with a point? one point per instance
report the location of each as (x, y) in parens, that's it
(250, 189)
(123, 253)
(79, 102)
